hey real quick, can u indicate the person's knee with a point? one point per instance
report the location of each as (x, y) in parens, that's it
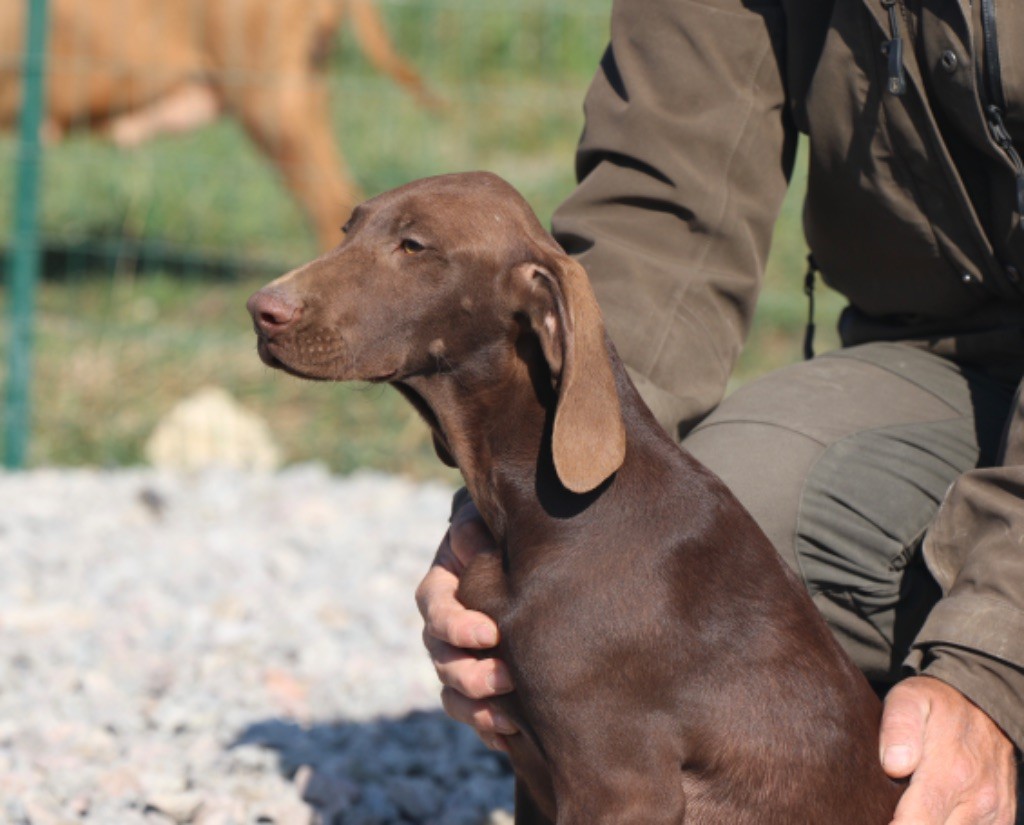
(763, 465)
(843, 463)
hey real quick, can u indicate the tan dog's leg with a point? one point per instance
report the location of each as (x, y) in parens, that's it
(182, 110)
(375, 43)
(290, 122)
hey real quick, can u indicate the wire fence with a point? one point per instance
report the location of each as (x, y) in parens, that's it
(193, 148)
(24, 259)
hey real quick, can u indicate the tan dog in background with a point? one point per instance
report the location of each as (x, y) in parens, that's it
(133, 69)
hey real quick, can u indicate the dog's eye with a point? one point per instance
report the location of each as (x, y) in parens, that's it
(411, 247)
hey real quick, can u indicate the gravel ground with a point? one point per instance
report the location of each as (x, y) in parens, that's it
(225, 648)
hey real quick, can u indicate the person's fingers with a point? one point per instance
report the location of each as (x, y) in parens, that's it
(446, 619)
(468, 535)
(933, 798)
(472, 677)
(491, 725)
(901, 740)
(925, 802)
(961, 765)
(451, 632)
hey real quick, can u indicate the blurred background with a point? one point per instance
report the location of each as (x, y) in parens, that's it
(149, 247)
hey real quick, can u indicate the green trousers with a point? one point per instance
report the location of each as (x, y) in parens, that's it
(844, 460)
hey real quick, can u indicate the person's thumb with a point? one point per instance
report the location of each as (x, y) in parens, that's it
(901, 741)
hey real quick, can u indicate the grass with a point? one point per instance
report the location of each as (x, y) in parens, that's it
(117, 345)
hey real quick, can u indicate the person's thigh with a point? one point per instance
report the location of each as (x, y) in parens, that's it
(843, 461)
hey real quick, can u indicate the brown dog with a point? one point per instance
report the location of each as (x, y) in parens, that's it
(668, 666)
(133, 69)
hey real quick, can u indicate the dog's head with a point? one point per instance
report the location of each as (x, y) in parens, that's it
(444, 276)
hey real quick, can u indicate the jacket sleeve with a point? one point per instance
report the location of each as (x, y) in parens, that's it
(973, 638)
(683, 164)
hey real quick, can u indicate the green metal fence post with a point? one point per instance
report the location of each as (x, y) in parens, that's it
(24, 263)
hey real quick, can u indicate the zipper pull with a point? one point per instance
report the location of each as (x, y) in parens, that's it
(893, 49)
(1001, 135)
(998, 126)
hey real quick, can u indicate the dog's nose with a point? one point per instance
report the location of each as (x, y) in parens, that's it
(273, 312)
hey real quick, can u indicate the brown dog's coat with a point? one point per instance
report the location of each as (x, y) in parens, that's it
(136, 68)
(668, 666)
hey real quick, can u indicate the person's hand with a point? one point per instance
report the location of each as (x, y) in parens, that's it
(961, 765)
(451, 633)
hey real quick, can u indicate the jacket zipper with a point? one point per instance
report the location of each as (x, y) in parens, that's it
(1002, 137)
(893, 50)
(997, 100)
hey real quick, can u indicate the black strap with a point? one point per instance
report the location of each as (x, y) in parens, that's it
(812, 268)
(990, 58)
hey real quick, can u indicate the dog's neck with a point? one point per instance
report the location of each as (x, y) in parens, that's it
(498, 433)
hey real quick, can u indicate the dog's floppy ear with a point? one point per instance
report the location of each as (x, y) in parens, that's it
(589, 439)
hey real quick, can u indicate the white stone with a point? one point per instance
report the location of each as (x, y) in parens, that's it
(211, 429)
